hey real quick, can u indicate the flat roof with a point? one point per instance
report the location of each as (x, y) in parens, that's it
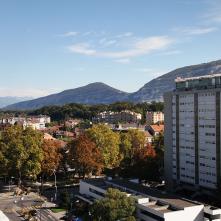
(98, 182)
(137, 189)
(160, 195)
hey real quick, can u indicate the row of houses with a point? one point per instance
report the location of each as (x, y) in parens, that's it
(115, 117)
(127, 116)
(150, 131)
(35, 122)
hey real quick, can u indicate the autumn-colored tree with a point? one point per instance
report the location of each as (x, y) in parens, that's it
(84, 156)
(52, 156)
(143, 153)
(145, 164)
(108, 143)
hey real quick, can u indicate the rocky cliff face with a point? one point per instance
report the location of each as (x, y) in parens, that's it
(155, 89)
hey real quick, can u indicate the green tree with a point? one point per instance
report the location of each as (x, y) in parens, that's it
(131, 141)
(158, 143)
(21, 152)
(116, 205)
(108, 143)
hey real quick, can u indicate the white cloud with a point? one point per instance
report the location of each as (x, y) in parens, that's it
(123, 61)
(198, 30)
(213, 15)
(126, 34)
(70, 34)
(105, 42)
(139, 47)
(173, 52)
(82, 48)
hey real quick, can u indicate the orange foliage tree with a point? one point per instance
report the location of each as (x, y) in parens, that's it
(52, 156)
(84, 157)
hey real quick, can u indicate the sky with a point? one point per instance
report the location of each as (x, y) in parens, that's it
(47, 46)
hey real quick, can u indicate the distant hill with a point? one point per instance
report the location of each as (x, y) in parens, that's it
(155, 89)
(98, 93)
(5, 101)
(90, 94)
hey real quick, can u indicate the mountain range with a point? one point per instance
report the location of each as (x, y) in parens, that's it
(5, 101)
(100, 93)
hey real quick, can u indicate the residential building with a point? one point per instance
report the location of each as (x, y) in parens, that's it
(192, 133)
(35, 122)
(132, 126)
(111, 117)
(153, 117)
(151, 204)
(72, 123)
(148, 137)
(155, 129)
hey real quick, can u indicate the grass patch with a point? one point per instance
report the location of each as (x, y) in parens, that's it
(57, 210)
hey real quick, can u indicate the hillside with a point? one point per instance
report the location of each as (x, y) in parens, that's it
(100, 93)
(155, 89)
(90, 94)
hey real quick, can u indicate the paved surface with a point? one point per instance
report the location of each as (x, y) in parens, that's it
(10, 205)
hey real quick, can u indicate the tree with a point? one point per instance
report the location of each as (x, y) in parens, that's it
(108, 143)
(159, 144)
(146, 166)
(21, 152)
(116, 205)
(52, 156)
(84, 157)
(131, 142)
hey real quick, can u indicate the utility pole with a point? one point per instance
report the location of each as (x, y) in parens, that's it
(55, 185)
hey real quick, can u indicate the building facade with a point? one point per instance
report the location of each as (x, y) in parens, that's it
(154, 117)
(112, 117)
(151, 205)
(34, 122)
(192, 133)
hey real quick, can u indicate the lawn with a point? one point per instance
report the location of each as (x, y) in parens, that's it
(57, 210)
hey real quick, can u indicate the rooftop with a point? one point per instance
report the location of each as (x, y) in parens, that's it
(180, 79)
(157, 127)
(198, 83)
(138, 190)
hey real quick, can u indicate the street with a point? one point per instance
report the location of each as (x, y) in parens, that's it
(10, 206)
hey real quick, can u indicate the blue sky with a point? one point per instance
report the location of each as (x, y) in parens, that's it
(50, 45)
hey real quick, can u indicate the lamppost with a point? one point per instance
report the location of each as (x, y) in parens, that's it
(55, 185)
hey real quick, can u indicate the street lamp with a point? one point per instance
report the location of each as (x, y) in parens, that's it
(55, 185)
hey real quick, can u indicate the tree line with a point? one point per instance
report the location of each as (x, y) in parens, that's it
(25, 154)
(87, 112)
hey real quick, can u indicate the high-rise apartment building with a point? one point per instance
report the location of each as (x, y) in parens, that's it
(192, 133)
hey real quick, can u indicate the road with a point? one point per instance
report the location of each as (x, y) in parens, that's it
(44, 215)
(10, 205)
